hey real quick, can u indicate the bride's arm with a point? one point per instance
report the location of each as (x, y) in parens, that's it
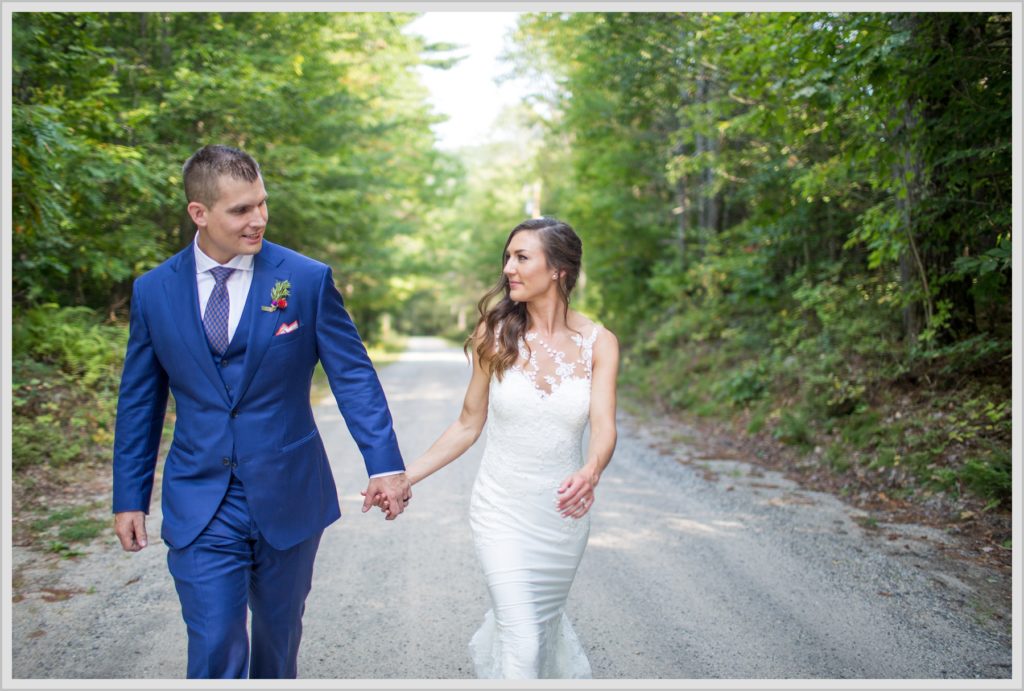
(462, 433)
(578, 489)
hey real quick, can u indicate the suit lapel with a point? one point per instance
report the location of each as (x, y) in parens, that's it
(262, 325)
(183, 307)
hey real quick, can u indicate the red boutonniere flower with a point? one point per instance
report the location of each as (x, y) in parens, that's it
(278, 296)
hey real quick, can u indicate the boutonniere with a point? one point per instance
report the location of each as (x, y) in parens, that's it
(278, 296)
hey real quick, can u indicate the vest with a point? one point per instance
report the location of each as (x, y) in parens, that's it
(231, 363)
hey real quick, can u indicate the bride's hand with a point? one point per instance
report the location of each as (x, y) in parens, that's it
(577, 493)
(379, 500)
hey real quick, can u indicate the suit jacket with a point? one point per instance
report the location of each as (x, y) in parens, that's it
(263, 430)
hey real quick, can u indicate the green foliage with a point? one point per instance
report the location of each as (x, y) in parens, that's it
(59, 529)
(83, 529)
(107, 107)
(805, 212)
(793, 429)
(989, 477)
(71, 339)
(796, 212)
(745, 384)
(63, 394)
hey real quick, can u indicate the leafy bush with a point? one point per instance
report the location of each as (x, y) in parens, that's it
(64, 389)
(72, 339)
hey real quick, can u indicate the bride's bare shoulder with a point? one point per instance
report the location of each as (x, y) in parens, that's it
(604, 340)
(577, 322)
(583, 325)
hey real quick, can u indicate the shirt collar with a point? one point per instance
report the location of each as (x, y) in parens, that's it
(240, 262)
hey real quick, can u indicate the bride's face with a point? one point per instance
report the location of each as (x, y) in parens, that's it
(526, 268)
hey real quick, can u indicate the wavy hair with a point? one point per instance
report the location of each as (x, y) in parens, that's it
(505, 323)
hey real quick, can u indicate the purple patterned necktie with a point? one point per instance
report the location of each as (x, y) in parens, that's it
(215, 319)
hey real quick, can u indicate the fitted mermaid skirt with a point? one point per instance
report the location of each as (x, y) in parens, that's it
(529, 555)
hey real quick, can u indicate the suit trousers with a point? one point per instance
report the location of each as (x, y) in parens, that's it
(227, 569)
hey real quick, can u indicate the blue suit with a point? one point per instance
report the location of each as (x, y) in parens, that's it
(246, 463)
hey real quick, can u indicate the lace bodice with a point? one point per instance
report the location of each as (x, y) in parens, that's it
(536, 415)
(540, 362)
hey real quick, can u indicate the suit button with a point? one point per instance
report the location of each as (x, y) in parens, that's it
(234, 413)
(224, 362)
(234, 464)
(225, 461)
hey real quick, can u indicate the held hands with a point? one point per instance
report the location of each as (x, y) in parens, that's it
(577, 493)
(130, 527)
(391, 493)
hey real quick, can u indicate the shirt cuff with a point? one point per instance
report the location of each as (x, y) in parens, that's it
(393, 472)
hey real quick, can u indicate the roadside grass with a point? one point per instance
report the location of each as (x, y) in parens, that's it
(63, 530)
(909, 441)
(66, 371)
(66, 529)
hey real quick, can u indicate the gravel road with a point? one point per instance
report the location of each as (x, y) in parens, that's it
(697, 567)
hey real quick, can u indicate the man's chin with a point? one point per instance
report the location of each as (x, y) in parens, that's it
(251, 247)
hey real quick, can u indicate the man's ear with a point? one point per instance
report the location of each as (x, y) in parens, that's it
(198, 212)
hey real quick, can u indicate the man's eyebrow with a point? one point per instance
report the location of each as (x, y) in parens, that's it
(239, 207)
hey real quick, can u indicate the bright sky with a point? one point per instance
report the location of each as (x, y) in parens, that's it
(467, 93)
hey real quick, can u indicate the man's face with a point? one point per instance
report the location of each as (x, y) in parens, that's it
(235, 223)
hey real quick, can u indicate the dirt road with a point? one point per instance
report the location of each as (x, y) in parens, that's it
(696, 568)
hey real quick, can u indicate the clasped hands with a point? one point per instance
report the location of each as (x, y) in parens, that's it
(391, 493)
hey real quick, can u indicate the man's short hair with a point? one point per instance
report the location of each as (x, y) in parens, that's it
(203, 170)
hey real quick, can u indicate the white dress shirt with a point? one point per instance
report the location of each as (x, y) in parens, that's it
(238, 284)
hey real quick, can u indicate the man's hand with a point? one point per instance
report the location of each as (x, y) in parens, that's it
(130, 527)
(390, 492)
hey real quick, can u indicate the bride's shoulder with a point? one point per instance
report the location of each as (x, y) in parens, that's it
(589, 329)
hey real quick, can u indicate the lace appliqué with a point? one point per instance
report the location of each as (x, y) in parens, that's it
(557, 370)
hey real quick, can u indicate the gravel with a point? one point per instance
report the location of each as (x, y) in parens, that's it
(697, 568)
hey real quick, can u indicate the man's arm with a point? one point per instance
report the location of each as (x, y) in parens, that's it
(360, 399)
(141, 406)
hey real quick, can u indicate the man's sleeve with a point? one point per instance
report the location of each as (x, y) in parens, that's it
(141, 405)
(354, 382)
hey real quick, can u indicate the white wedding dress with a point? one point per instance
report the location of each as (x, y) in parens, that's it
(529, 553)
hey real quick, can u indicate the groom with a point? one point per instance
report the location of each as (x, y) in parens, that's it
(234, 325)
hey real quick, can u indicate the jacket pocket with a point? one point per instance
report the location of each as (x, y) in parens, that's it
(299, 442)
(284, 339)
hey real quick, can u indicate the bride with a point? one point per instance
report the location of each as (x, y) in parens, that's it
(541, 371)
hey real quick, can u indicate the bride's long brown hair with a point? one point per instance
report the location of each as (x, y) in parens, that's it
(564, 252)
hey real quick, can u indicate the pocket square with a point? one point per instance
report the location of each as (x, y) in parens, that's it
(287, 328)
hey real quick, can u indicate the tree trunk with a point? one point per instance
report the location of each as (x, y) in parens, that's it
(912, 316)
(681, 211)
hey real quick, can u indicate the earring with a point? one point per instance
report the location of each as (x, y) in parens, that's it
(554, 277)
